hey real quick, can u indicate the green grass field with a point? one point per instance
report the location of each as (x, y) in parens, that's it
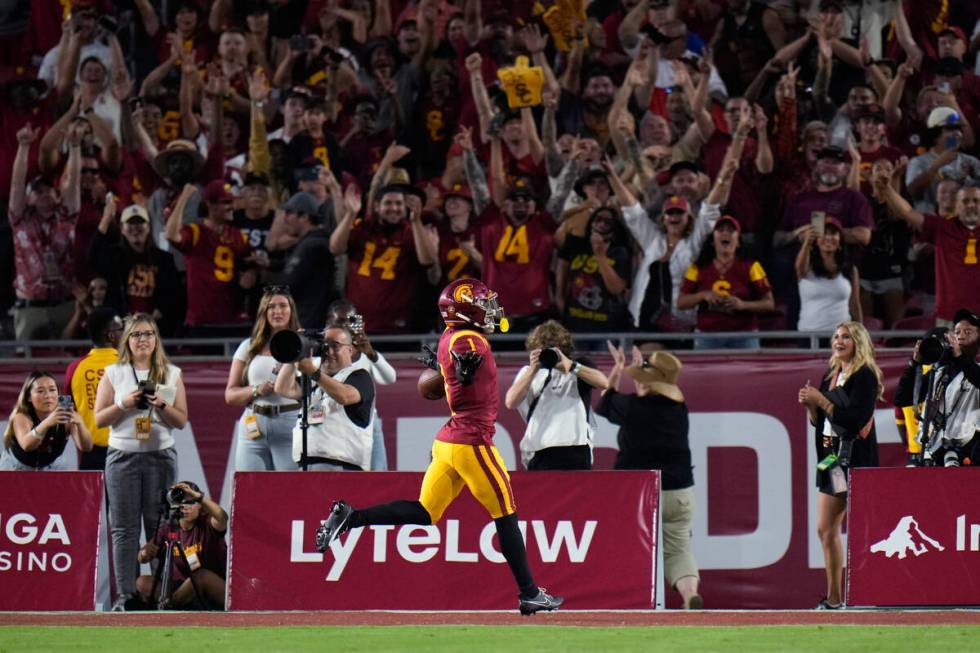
(533, 639)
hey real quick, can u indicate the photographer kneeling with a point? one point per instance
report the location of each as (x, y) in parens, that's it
(341, 427)
(201, 531)
(554, 396)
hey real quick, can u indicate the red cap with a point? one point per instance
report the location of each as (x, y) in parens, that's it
(676, 202)
(217, 191)
(831, 220)
(728, 219)
(956, 31)
(460, 190)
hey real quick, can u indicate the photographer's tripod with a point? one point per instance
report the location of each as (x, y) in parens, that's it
(163, 577)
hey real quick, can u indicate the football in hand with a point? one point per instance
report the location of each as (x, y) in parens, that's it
(431, 385)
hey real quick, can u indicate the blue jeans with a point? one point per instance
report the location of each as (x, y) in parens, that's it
(8, 463)
(134, 484)
(379, 457)
(273, 450)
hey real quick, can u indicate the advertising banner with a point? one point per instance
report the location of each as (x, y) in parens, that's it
(914, 537)
(49, 540)
(754, 530)
(590, 537)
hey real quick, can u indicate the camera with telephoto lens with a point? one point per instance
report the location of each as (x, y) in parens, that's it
(951, 459)
(548, 358)
(932, 349)
(146, 388)
(290, 346)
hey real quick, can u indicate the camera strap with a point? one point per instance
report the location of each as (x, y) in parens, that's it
(534, 402)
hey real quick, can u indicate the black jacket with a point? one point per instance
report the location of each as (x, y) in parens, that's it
(310, 273)
(854, 404)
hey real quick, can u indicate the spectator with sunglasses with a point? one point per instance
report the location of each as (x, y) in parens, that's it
(265, 430)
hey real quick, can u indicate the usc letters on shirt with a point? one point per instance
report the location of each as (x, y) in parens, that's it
(383, 275)
(957, 269)
(213, 260)
(517, 261)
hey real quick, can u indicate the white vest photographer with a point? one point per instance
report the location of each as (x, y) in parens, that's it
(554, 396)
(961, 404)
(341, 407)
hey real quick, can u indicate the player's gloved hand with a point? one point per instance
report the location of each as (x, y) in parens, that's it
(466, 365)
(428, 358)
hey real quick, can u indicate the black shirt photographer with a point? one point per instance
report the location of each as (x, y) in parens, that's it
(201, 531)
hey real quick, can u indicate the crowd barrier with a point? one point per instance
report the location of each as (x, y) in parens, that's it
(590, 537)
(914, 537)
(754, 533)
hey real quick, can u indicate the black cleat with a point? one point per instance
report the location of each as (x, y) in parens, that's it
(333, 525)
(541, 601)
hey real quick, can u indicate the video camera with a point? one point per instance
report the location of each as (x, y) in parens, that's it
(291, 346)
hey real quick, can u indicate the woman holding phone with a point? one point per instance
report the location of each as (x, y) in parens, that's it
(142, 400)
(841, 410)
(829, 290)
(40, 426)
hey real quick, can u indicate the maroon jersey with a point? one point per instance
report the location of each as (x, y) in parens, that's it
(473, 407)
(213, 260)
(745, 279)
(383, 275)
(201, 543)
(453, 259)
(517, 261)
(957, 269)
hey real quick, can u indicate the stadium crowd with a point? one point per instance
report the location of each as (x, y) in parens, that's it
(708, 165)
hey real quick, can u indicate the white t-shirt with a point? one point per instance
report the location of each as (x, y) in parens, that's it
(49, 65)
(262, 368)
(824, 303)
(122, 434)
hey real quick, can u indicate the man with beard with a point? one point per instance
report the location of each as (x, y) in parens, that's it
(178, 165)
(955, 241)
(588, 114)
(215, 253)
(141, 278)
(386, 254)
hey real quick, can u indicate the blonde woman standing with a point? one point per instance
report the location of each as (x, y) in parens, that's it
(142, 400)
(842, 412)
(265, 430)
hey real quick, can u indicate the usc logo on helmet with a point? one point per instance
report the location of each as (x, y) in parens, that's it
(463, 293)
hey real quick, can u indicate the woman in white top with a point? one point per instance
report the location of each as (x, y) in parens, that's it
(668, 247)
(265, 430)
(141, 399)
(828, 285)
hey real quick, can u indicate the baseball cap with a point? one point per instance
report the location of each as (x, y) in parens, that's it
(592, 173)
(683, 165)
(943, 117)
(965, 314)
(834, 152)
(955, 31)
(256, 178)
(307, 173)
(460, 190)
(217, 191)
(729, 220)
(677, 202)
(521, 188)
(834, 222)
(302, 203)
(871, 112)
(949, 67)
(134, 212)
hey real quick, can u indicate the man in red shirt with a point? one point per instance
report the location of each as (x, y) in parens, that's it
(463, 453)
(386, 254)
(955, 239)
(517, 242)
(214, 252)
